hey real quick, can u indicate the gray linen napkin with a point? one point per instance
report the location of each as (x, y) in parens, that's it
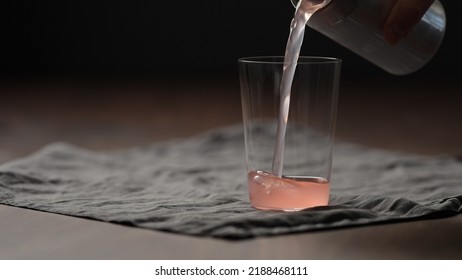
(196, 186)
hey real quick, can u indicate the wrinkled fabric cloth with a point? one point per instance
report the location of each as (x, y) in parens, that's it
(197, 186)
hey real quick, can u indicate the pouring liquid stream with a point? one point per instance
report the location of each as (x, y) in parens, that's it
(305, 9)
(272, 191)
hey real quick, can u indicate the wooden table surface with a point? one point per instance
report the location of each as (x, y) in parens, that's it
(397, 114)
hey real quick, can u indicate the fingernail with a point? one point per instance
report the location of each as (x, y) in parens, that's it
(393, 33)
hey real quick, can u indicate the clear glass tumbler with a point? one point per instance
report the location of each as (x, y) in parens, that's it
(309, 136)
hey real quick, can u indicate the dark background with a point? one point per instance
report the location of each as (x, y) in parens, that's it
(158, 39)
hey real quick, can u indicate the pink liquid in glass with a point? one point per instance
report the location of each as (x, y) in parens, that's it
(269, 192)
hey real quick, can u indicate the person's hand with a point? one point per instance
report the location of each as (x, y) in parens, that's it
(404, 15)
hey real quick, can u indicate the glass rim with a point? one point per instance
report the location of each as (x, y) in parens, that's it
(280, 60)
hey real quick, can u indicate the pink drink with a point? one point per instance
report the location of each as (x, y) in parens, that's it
(269, 192)
(274, 191)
